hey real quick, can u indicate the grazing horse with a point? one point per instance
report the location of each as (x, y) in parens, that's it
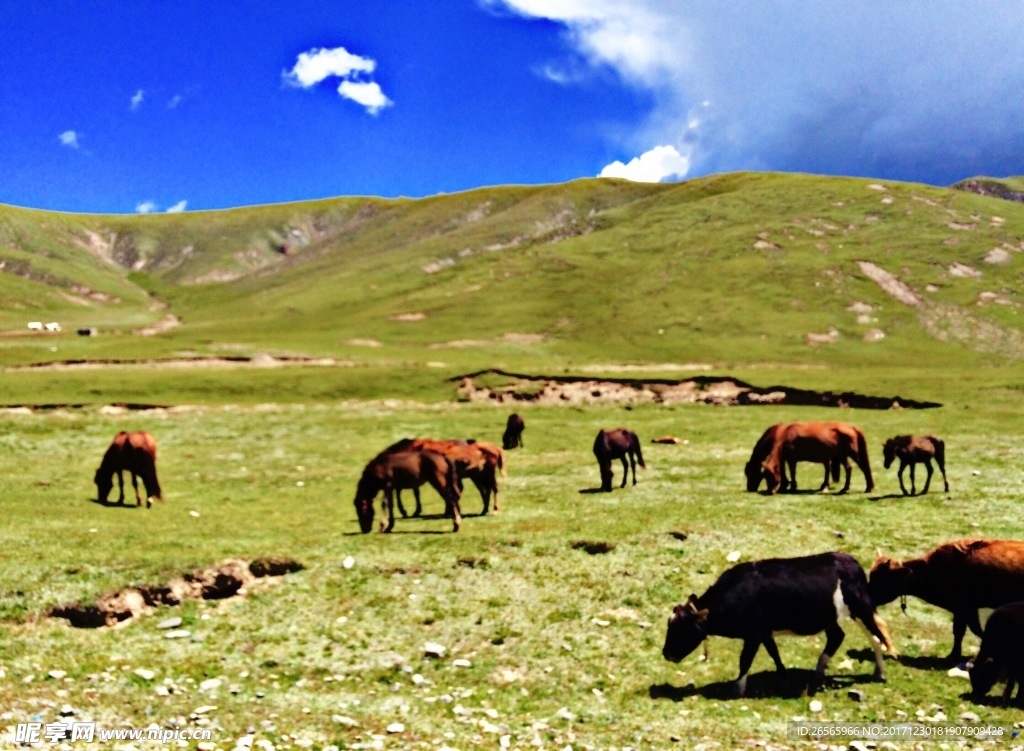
(135, 452)
(617, 444)
(912, 449)
(390, 472)
(825, 442)
(477, 460)
(513, 436)
(755, 472)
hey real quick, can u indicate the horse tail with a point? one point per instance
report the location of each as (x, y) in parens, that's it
(635, 440)
(501, 463)
(863, 463)
(836, 465)
(940, 452)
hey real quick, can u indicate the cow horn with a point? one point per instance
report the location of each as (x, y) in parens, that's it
(879, 552)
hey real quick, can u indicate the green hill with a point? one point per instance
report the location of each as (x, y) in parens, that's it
(737, 271)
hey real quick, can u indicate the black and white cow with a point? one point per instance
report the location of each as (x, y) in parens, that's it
(1002, 649)
(755, 601)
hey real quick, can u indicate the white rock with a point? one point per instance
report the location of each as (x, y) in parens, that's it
(815, 706)
(970, 717)
(461, 663)
(210, 684)
(396, 727)
(205, 709)
(178, 634)
(144, 674)
(349, 562)
(57, 674)
(733, 556)
(346, 721)
(958, 672)
(433, 649)
(565, 714)
(193, 513)
(169, 623)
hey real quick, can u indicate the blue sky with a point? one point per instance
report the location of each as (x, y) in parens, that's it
(156, 106)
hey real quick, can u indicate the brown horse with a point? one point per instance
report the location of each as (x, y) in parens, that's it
(755, 472)
(477, 460)
(390, 472)
(135, 452)
(823, 442)
(912, 449)
(513, 435)
(621, 444)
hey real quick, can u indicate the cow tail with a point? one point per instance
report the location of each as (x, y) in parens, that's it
(639, 453)
(882, 632)
(862, 451)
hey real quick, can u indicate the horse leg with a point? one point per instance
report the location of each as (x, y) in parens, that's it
(401, 508)
(899, 474)
(120, 487)
(485, 494)
(387, 520)
(928, 479)
(605, 466)
(625, 472)
(824, 483)
(134, 485)
(846, 485)
(913, 482)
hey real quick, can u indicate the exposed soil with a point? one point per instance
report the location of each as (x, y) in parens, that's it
(230, 361)
(214, 582)
(696, 390)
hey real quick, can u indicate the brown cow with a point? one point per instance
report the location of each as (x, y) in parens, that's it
(912, 449)
(822, 442)
(478, 460)
(961, 577)
(390, 472)
(135, 452)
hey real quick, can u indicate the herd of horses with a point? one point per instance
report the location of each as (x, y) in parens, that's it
(444, 464)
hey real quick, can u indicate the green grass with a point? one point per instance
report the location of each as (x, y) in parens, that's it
(544, 625)
(563, 646)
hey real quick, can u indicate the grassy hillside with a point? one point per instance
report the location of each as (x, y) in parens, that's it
(737, 271)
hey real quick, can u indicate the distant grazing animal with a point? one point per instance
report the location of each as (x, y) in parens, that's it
(754, 601)
(911, 449)
(513, 436)
(477, 460)
(35, 325)
(390, 472)
(824, 442)
(617, 444)
(1002, 650)
(755, 472)
(135, 452)
(960, 577)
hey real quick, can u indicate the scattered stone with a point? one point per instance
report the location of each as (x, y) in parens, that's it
(970, 717)
(205, 709)
(733, 556)
(349, 562)
(815, 706)
(57, 675)
(433, 649)
(346, 721)
(144, 674)
(178, 634)
(462, 663)
(396, 727)
(169, 623)
(958, 672)
(210, 684)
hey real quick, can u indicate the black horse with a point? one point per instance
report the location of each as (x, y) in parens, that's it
(513, 436)
(617, 444)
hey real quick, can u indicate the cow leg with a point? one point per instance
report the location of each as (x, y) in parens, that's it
(625, 472)
(773, 652)
(899, 474)
(960, 621)
(877, 646)
(750, 647)
(833, 640)
(928, 479)
(1011, 681)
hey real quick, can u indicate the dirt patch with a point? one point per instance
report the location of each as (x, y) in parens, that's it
(168, 323)
(231, 361)
(215, 582)
(697, 390)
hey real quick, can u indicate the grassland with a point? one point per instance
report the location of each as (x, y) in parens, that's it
(563, 647)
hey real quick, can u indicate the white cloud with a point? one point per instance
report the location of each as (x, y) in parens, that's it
(178, 207)
(366, 93)
(69, 138)
(174, 101)
(660, 164)
(319, 64)
(145, 207)
(137, 99)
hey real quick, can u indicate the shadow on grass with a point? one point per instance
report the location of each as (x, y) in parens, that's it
(113, 504)
(791, 684)
(888, 497)
(593, 491)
